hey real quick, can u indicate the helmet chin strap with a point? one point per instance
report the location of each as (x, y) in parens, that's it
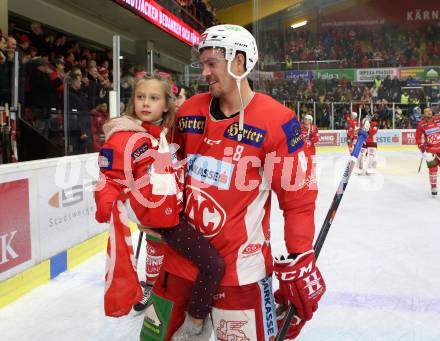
(241, 116)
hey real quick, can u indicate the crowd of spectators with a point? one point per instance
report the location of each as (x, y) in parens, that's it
(342, 90)
(405, 94)
(350, 47)
(52, 65)
(55, 71)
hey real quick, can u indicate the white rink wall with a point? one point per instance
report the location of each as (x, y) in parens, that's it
(47, 206)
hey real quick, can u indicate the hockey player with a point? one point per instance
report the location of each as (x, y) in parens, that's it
(352, 130)
(310, 134)
(428, 141)
(137, 169)
(352, 133)
(367, 158)
(238, 144)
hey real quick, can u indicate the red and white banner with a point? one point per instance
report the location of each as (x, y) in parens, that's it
(328, 139)
(408, 138)
(15, 234)
(163, 19)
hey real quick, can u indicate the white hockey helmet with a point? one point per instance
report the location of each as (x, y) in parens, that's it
(354, 115)
(231, 38)
(308, 117)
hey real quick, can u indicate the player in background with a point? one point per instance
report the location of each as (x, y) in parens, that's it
(239, 145)
(352, 133)
(367, 158)
(183, 94)
(352, 130)
(428, 141)
(137, 167)
(310, 134)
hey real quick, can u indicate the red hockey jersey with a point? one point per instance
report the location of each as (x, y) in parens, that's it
(310, 136)
(352, 129)
(228, 185)
(428, 135)
(372, 132)
(136, 159)
(137, 181)
(371, 140)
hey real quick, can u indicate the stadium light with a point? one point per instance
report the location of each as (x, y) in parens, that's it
(299, 24)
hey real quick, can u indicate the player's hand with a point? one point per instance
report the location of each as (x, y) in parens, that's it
(150, 231)
(302, 285)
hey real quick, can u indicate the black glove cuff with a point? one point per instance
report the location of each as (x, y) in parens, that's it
(293, 255)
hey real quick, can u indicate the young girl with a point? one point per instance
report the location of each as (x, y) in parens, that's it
(136, 180)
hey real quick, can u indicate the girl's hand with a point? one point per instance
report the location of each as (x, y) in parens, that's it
(149, 231)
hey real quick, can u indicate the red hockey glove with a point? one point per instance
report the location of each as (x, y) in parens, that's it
(302, 285)
(296, 324)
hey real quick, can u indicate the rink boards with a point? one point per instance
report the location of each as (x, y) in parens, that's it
(47, 212)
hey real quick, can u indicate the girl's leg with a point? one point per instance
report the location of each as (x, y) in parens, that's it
(191, 244)
(154, 259)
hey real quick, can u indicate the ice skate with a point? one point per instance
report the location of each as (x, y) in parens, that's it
(142, 304)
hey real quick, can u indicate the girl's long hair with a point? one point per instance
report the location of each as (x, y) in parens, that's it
(168, 117)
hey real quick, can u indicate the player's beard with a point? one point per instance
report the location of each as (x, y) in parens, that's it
(213, 86)
(215, 90)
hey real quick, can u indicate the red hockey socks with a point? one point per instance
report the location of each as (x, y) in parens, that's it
(155, 254)
(433, 178)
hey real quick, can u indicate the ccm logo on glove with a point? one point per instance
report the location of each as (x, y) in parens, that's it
(294, 274)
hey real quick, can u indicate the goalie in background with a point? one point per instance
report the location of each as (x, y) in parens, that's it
(428, 141)
(367, 158)
(352, 134)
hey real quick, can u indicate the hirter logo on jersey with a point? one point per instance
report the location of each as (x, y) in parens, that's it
(191, 124)
(139, 151)
(294, 139)
(251, 135)
(203, 212)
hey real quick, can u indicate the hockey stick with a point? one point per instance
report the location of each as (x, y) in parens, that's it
(138, 247)
(362, 136)
(420, 165)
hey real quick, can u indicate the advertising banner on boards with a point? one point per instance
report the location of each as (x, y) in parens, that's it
(15, 234)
